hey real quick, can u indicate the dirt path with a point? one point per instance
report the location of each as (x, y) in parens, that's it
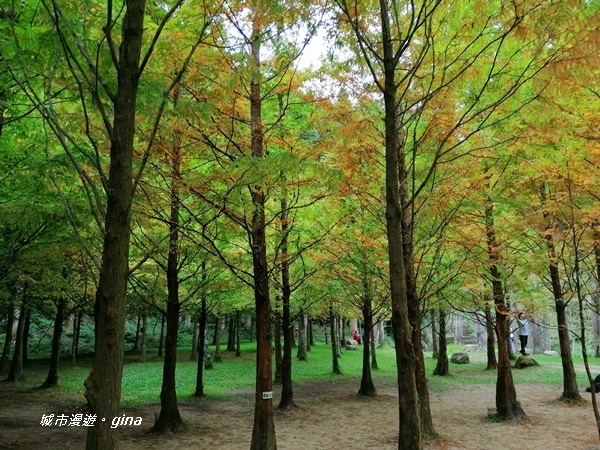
(328, 416)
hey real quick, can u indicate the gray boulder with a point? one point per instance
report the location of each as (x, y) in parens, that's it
(350, 344)
(460, 358)
(524, 362)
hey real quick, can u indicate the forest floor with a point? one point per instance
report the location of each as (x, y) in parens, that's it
(329, 415)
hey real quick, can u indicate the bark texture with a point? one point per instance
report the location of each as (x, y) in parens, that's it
(263, 432)
(16, 367)
(103, 385)
(507, 406)
(570, 387)
(410, 433)
(441, 368)
(52, 378)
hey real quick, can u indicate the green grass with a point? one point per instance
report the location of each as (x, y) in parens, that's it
(235, 375)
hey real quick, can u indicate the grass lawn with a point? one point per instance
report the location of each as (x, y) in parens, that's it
(142, 382)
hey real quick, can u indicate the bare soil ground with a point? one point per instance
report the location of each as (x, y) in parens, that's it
(328, 416)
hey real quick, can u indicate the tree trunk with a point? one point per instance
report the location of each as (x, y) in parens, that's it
(410, 433)
(311, 337)
(231, 333)
(194, 355)
(381, 337)
(52, 378)
(278, 349)
(217, 325)
(26, 335)
(169, 418)
(334, 342)
(596, 297)
(458, 328)
(511, 345)
(301, 354)
(238, 348)
(570, 388)
(161, 339)
(217, 340)
(507, 406)
(367, 387)
(10, 320)
(434, 335)
(536, 338)
(373, 344)
(263, 432)
(339, 331)
(16, 367)
(144, 346)
(287, 390)
(414, 304)
(441, 368)
(103, 385)
(596, 325)
(492, 363)
(77, 317)
(201, 349)
(137, 334)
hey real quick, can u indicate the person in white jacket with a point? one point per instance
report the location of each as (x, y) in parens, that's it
(523, 332)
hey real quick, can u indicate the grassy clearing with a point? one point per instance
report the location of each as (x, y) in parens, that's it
(142, 382)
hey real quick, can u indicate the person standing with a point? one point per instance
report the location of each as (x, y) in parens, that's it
(523, 332)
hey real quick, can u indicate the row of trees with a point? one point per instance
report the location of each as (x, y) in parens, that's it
(441, 155)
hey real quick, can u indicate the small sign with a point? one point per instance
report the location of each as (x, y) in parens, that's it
(267, 395)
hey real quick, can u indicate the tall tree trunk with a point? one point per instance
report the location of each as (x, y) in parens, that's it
(311, 337)
(596, 297)
(410, 433)
(203, 353)
(277, 379)
(367, 387)
(194, 355)
(570, 388)
(217, 325)
(287, 390)
(334, 342)
(137, 334)
(381, 337)
(458, 328)
(16, 367)
(103, 385)
(263, 432)
(441, 368)
(161, 339)
(492, 363)
(373, 344)
(231, 333)
(536, 338)
(201, 348)
(10, 320)
(77, 317)
(434, 335)
(510, 342)
(414, 304)
(169, 418)
(238, 326)
(52, 378)
(144, 346)
(301, 354)
(507, 406)
(217, 340)
(26, 335)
